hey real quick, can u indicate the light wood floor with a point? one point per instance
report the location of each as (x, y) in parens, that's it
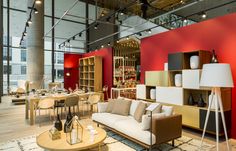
(13, 125)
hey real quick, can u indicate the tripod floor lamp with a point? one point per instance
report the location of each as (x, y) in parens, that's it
(216, 76)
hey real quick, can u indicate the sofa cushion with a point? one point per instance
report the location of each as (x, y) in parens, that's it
(132, 128)
(168, 110)
(110, 106)
(121, 107)
(146, 120)
(139, 111)
(133, 107)
(108, 119)
(102, 107)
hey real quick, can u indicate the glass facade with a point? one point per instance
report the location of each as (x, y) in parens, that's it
(66, 28)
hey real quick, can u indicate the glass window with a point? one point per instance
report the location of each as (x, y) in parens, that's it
(23, 55)
(60, 58)
(5, 54)
(60, 74)
(5, 69)
(23, 69)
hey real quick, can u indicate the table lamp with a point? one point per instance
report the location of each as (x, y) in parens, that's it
(216, 76)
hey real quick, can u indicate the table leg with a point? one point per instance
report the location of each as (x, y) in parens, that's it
(99, 147)
(32, 115)
(26, 109)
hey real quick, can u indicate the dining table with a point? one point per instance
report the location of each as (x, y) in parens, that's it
(32, 100)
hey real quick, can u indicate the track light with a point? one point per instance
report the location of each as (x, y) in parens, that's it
(102, 14)
(29, 21)
(68, 41)
(203, 15)
(120, 22)
(24, 33)
(59, 46)
(80, 34)
(139, 34)
(185, 20)
(117, 41)
(36, 11)
(38, 1)
(96, 26)
(121, 13)
(73, 38)
(149, 31)
(109, 44)
(27, 24)
(127, 38)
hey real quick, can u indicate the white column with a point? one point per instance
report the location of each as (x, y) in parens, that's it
(35, 45)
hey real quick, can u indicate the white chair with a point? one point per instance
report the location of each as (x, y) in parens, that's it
(92, 100)
(46, 104)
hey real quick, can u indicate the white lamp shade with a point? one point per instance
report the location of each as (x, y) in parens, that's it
(216, 75)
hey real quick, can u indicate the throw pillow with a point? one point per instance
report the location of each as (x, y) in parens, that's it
(146, 119)
(168, 110)
(121, 107)
(110, 106)
(133, 107)
(139, 111)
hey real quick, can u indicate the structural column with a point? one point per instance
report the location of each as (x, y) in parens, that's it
(1, 50)
(35, 46)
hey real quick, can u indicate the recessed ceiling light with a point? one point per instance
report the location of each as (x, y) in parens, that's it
(185, 20)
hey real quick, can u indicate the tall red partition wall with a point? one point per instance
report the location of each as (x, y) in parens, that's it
(71, 72)
(107, 65)
(218, 34)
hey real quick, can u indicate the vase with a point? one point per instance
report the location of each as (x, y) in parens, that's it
(194, 62)
(178, 80)
(58, 123)
(153, 94)
(201, 102)
(68, 122)
(191, 100)
(214, 57)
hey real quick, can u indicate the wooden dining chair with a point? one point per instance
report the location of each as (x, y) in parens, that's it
(46, 104)
(72, 101)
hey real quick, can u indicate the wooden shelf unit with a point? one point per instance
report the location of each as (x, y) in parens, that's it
(167, 93)
(90, 77)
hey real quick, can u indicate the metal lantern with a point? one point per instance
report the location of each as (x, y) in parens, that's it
(74, 134)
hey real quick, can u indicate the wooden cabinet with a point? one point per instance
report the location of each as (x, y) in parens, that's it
(90, 77)
(192, 115)
(170, 95)
(181, 60)
(156, 78)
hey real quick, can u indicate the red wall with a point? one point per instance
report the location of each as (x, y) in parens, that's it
(107, 62)
(71, 65)
(218, 34)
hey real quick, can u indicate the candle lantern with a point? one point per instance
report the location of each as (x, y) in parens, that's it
(74, 132)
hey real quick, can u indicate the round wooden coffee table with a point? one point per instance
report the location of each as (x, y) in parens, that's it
(44, 141)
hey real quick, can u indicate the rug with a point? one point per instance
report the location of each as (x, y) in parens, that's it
(113, 142)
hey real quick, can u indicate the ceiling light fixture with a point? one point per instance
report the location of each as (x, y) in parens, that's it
(73, 38)
(102, 46)
(96, 26)
(27, 24)
(127, 38)
(149, 31)
(25, 33)
(36, 11)
(203, 15)
(38, 1)
(80, 34)
(109, 44)
(102, 14)
(185, 20)
(29, 21)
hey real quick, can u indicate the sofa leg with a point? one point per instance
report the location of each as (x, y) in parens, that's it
(173, 142)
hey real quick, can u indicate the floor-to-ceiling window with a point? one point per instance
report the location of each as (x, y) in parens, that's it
(66, 28)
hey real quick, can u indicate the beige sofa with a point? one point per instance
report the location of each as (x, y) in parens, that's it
(164, 128)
